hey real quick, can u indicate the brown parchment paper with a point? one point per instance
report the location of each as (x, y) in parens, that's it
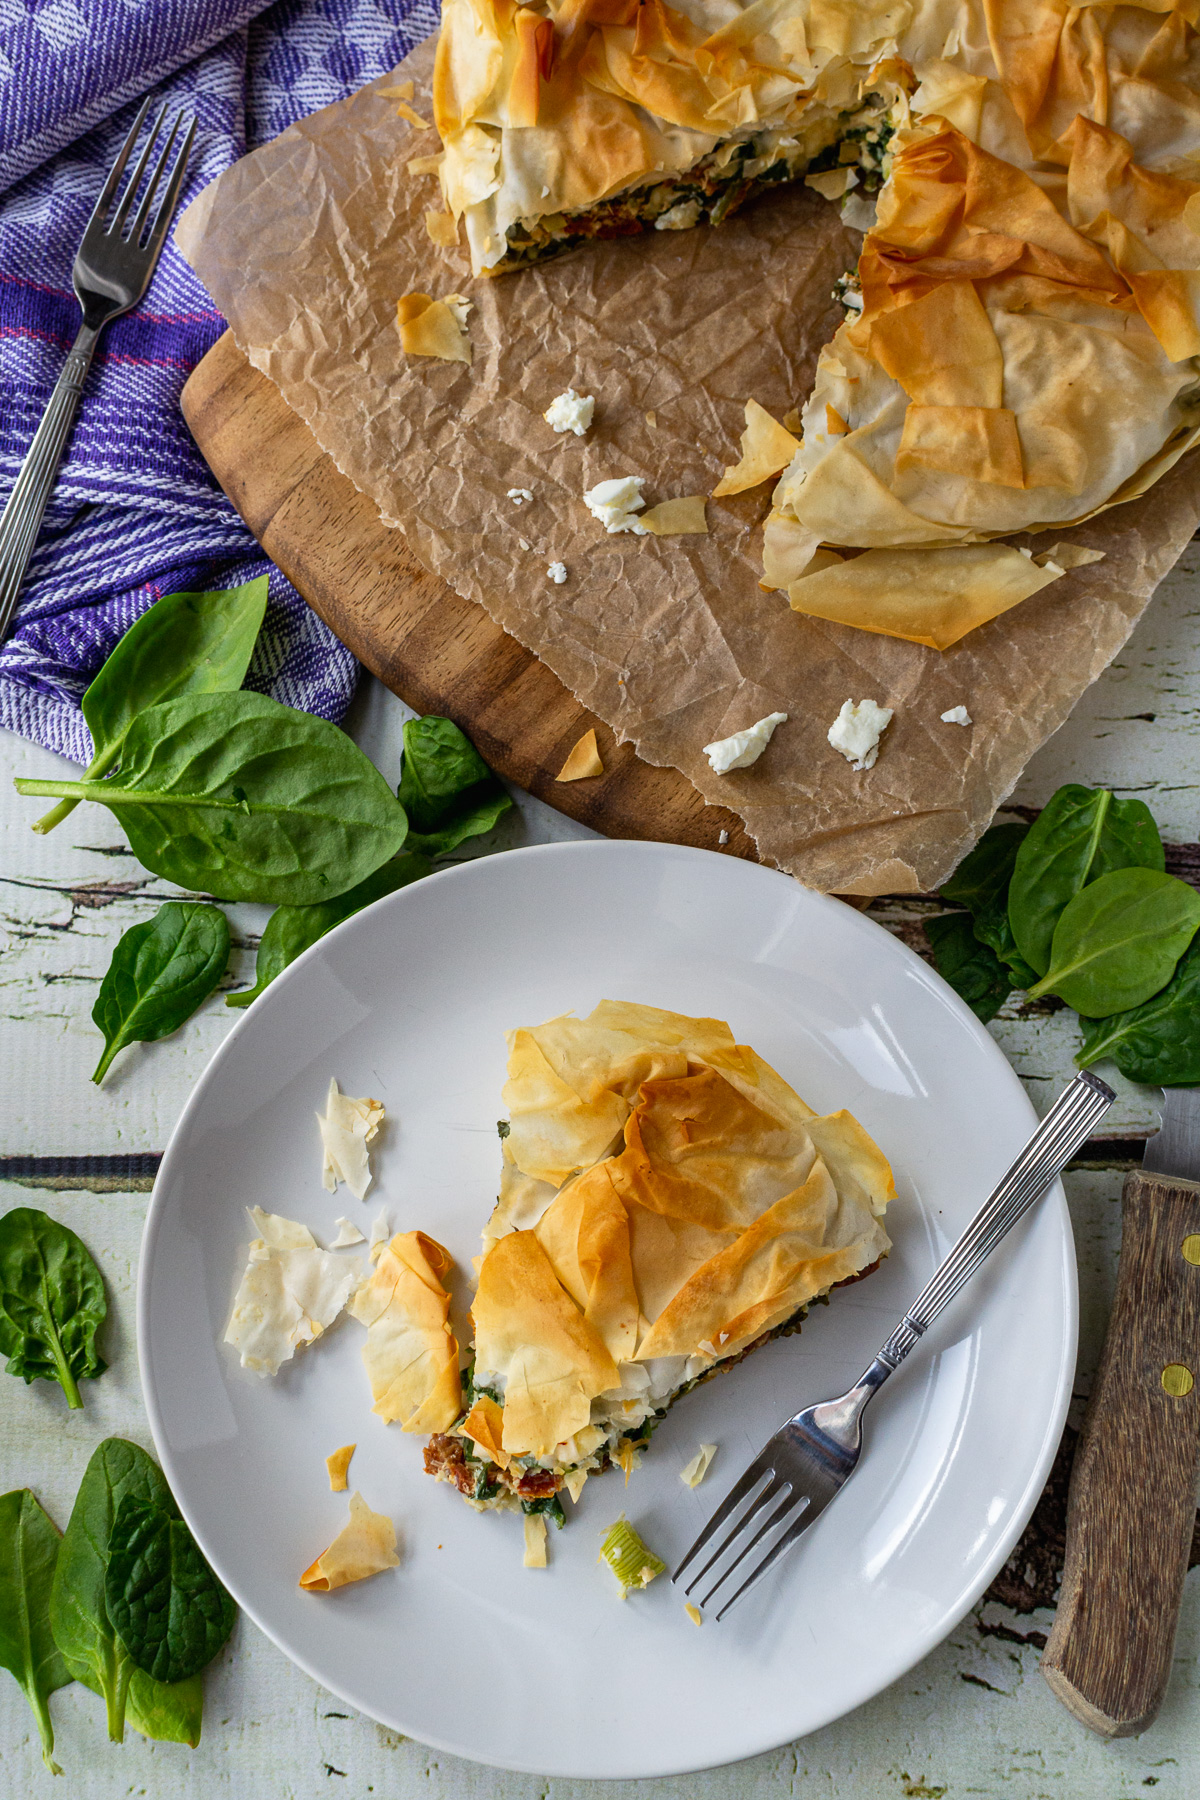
(306, 246)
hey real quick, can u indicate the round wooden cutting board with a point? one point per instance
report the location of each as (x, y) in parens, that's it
(438, 652)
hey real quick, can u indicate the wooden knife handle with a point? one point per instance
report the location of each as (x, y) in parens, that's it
(1132, 1501)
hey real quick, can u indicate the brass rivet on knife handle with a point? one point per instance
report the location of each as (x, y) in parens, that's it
(1190, 1248)
(1132, 1501)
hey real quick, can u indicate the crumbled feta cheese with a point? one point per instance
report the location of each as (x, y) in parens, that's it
(524, 543)
(557, 572)
(958, 715)
(615, 502)
(743, 747)
(722, 837)
(518, 496)
(570, 412)
(347, 1127)
(857, 730)
(680, 217)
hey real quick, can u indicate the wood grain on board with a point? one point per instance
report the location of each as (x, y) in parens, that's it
(438, 652)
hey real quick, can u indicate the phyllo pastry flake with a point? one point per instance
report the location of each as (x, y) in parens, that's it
(411, 1354)
(668, 1203)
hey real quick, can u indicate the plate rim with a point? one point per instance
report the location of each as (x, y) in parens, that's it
(916, 1648)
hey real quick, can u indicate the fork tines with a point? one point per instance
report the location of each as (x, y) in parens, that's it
(773, 1502)
(96, 227)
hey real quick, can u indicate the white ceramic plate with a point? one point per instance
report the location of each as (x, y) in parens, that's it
(461, 1646)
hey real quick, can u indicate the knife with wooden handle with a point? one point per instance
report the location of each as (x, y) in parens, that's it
(1132, 1500)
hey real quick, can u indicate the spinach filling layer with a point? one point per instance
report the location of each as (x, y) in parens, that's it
(712, 189)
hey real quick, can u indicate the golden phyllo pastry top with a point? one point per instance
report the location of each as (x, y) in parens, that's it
(667, 1200)
(1013, 367)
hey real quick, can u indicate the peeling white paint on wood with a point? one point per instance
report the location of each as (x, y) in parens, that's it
(973, 1719)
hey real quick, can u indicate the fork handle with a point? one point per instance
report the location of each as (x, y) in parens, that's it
(22, 517)
(1042, 1161)
(1131, 1507)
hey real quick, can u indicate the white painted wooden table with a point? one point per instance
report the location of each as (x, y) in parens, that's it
(974, 1719)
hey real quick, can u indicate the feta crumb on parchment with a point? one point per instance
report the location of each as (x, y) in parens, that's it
(524, 543)
(857, 730)
(518, 496)
(743, 747)
(615, 502)
(958, 715)
(557, 572)
(570, 412)
(347, 1126)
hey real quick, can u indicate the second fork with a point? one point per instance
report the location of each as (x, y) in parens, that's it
(112, 271)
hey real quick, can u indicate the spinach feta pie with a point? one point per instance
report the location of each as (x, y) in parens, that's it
(667, 1204)
(1022, 343)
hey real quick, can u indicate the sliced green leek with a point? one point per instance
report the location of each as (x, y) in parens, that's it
(632, 1562)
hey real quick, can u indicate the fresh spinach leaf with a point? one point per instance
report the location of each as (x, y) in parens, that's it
(987, 869)
(467, 821)
(973, 970)
(168, 1711)
(166, 1605)
(29, 1545)
(1159, 1041)
(291, 930)
(1080, 835)
(980, 883)
(160, 973)
(52, 1302)
(440, 764)
(446, 788)
(1118, 941)
(246, 799)
(79, 1617)
(185, 644)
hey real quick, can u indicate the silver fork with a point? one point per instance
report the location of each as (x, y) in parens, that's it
(112, 271)
(802, 1468)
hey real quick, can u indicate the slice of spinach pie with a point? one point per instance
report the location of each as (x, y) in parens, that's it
(668, 1204)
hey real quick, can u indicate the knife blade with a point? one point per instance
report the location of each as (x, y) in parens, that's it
(1131, 1508)
(1174, 1148)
